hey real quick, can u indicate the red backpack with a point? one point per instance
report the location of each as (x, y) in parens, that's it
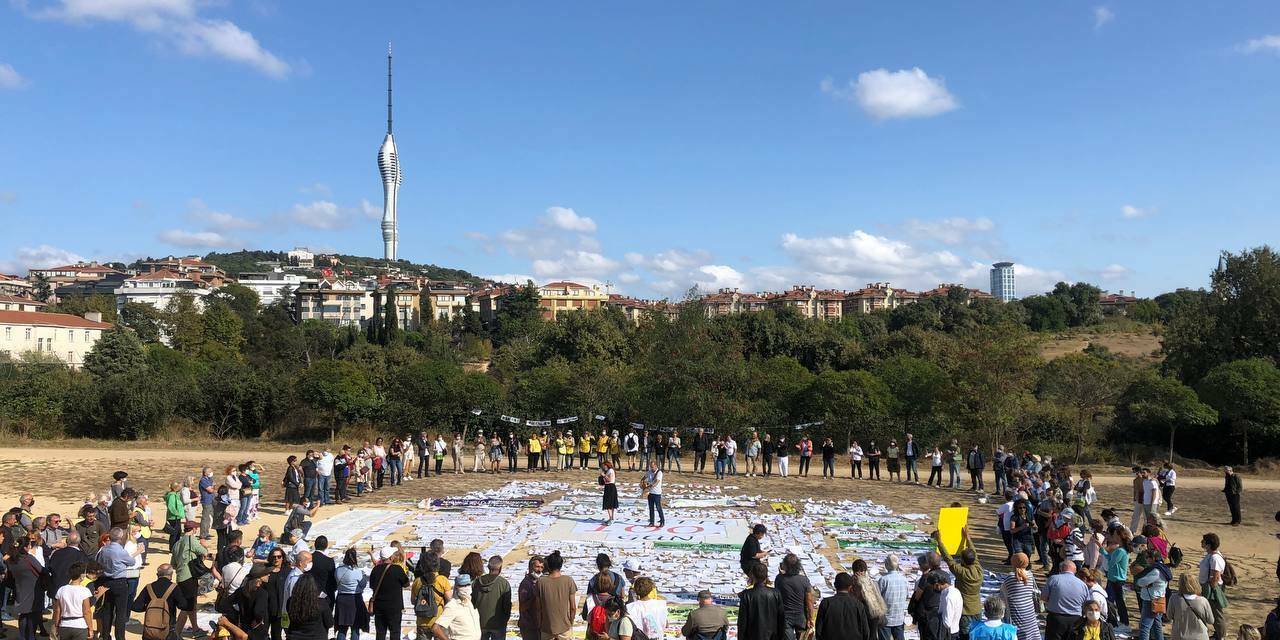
(598, 619)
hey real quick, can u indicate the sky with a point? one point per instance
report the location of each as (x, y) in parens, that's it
(651, 147)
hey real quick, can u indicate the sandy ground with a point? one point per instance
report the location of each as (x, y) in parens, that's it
(61, 479)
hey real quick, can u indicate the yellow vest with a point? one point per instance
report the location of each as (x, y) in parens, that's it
(584, 444)
(143, 530)
(602, 445)
(535, 446)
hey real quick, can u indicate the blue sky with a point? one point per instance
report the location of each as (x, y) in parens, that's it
(653, 147)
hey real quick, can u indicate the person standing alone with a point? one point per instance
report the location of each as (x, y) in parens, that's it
(1232, 487)
(652, 484)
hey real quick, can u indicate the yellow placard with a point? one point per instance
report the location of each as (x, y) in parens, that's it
(951, 520)
(783, 507)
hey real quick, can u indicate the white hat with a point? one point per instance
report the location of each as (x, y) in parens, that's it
(632, 565)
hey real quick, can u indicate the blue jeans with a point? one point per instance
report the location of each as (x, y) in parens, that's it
(953, 471)
(1151, 625)
(397, 470)
(731, 465)
(309, 487)
(655, 504)
(1001, 482)
(322, 486)
(912, 474)
(242, 516)
(891, 633)
(720, 465)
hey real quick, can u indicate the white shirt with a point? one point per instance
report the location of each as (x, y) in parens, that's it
(1210, 563)
(72, 597)
(950, 608)
(136, 570)
(438, 447)
(234, 573)
(460, 621)
(324, 466)
(1150, 491)
(1170, 478)
(1099, 595)
(654, 478)
(731, 446)
(650, 616)
(855, 453)
(1005, 513)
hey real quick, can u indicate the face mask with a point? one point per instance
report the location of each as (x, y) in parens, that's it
(1092, 615)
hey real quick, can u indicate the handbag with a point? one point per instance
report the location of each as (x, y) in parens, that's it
(369, 605)
(1158, 605)
(195, 565)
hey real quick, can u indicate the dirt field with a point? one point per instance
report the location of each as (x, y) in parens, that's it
(62, 478)
(1134, 345)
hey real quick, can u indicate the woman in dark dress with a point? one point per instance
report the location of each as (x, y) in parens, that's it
(608, 478)
(253, 604)
(389, 581)
(309, 617)
(292, 482)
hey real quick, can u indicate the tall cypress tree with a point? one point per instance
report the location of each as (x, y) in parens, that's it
(389, 329)
(373, 331)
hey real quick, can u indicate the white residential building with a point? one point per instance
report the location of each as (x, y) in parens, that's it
(158, 288)
(341, 302)
(302, 257)
(19, 303)
(62, 335)
(272, 287)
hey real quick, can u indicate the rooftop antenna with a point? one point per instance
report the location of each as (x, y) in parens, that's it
(388, 88)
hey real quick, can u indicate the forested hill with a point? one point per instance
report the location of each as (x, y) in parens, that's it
(248, 261)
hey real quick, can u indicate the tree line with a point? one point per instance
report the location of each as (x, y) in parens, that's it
(946, 367)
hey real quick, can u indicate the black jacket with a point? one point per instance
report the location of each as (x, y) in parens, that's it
(1105, 633)
(760, 614)
(977, 461)
(324, 572)
(843, 617)
(255, 612)
(57, 570)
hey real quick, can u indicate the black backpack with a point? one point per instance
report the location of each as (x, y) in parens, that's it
(1175, 555)
(425, 606)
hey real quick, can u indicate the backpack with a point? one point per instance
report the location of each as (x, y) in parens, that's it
(156, 619)
(1229, 578)
(598, 618)
(636, 632)
(1058, 533)
(425, 605)
(1175, 555)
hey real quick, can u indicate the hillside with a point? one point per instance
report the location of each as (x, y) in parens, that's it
(247, 260)
(1136, 343)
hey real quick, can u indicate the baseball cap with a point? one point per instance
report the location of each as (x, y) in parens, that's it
(463, 580)
(631, 565)
(1137, 540)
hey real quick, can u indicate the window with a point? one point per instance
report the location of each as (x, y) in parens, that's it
(71, 335)
(71, 356)
(86, 335)
(28, 337)
(39, 344)
(8, 333)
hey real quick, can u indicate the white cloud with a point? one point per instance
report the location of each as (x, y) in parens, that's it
(949, 230)
(509, 278)
(1265, 44)
(177, 23)
(370, 210)
(720, 276)
(1030, 280)
(211, 220)
(320, 214)
(907, 93)
(38, 257)
(568, 220)
(576, 264)
(1102, 16)
(10, 78)
(1132, 212)
(184, 238)
(1114, 272)
(316, 188)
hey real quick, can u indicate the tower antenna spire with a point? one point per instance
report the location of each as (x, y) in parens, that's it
(388, 87)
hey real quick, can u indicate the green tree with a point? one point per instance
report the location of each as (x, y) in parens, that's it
(1045, 313)
(519, 315)
(990, 381)
(118, 351)
(390, 332)
(1146, 310)
(33, 394)
(180, 322)
(41, 288)
(1085, 385)
(1246, 394)
(1152, 405)
(916, 387)
(79, 305)
(373, 326)
(143, 319)
(338, 389)
(847, 401)
(222, 331)
(238, 298)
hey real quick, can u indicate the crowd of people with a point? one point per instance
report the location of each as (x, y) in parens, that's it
(85, 576)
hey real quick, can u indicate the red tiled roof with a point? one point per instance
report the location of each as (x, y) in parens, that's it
(162, 274)
(564, 284)
(91, 268)
(21, 300)
(50, 320)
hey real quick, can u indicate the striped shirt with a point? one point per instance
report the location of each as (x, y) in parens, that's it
(1021, 598)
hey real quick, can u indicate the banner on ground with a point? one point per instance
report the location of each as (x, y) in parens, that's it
(510, 503)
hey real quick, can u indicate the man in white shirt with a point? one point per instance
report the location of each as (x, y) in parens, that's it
(1151, 498)
(652, 484)
(1004, 515)
(324, 473)
(950, 607)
